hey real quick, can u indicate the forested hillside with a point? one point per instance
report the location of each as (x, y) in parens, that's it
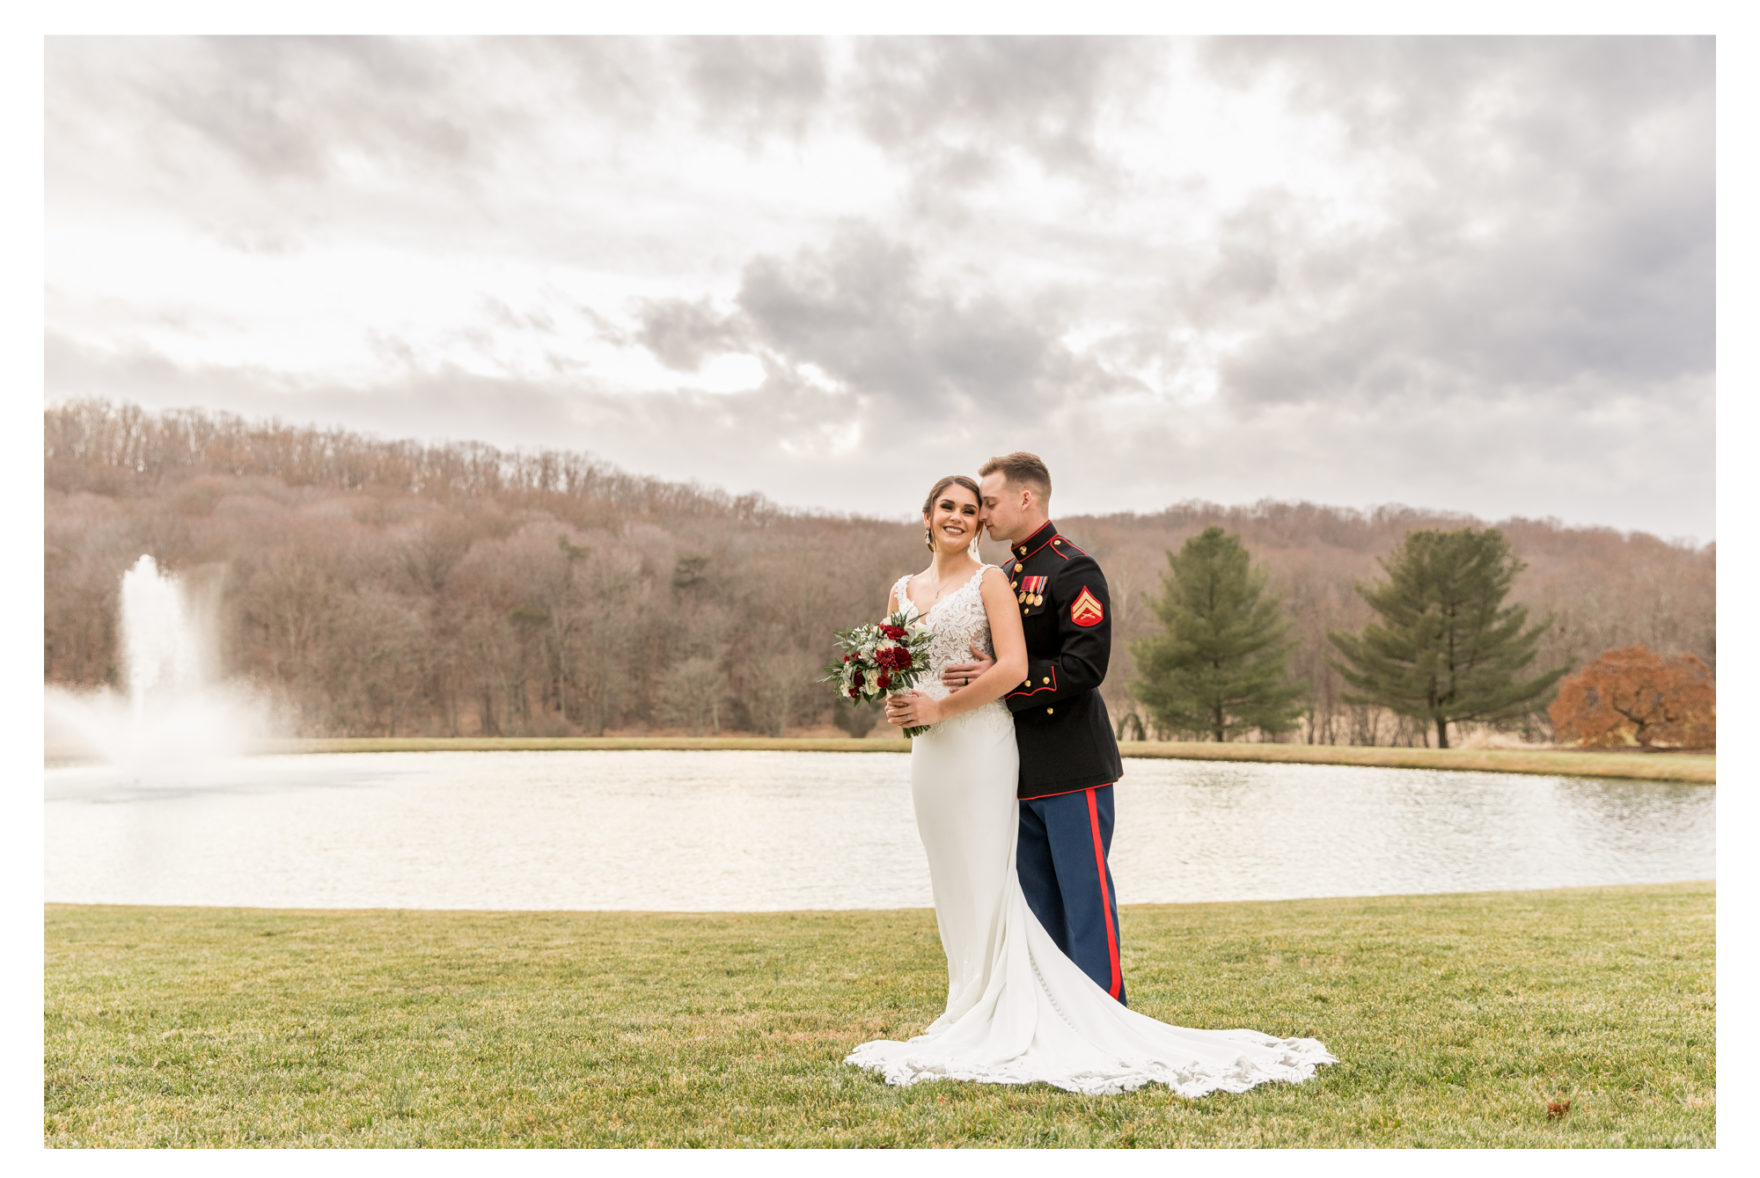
(394, 588)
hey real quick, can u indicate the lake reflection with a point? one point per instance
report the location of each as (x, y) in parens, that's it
(758, 831)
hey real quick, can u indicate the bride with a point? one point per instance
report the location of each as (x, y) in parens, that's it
(1018, 1010)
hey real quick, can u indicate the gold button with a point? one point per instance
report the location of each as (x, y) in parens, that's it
(1028, 683)
(1048, 711)
(1017, 568)
(1047, 678)
(1023, 609)
(1057, 541)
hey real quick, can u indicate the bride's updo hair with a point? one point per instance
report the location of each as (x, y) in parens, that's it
(941, 485)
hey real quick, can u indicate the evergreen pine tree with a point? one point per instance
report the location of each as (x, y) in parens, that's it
(1444, 648)
(1221, 663)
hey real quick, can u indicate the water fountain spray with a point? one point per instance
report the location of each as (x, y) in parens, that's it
(175, 713)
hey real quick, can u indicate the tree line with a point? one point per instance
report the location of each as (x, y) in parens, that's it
(1444, 648)
(381, 587)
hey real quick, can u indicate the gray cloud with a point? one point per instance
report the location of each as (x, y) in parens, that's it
(622, 80)
(1538, 307)
(290, 107)
(958, 113)
(504, 316)
(261, 143)
(1542, 92)
(1554, 224)
(757, 86)
(976, 96)
(683, 333)
(865, 310)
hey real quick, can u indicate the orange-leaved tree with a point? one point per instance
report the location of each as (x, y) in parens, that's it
(1633, 696)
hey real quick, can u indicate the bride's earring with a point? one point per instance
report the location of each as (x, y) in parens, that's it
(928, 540)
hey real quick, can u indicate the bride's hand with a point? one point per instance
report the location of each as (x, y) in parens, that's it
(957, 675)
(912, 709)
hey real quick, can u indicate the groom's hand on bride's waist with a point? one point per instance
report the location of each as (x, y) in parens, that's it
(956, 675)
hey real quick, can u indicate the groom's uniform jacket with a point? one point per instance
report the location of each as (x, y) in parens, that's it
(1060, 721)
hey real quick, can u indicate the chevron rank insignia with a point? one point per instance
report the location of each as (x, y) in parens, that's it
(1085, 609)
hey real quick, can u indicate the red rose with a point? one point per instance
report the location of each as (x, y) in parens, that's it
(854, 694)
(846, 658)
(896, 633)
(858, 680)
(884, 681)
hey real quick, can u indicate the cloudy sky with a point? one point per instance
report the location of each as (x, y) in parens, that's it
(1467, 274)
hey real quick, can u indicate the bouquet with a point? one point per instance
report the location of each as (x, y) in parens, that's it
(879, 659)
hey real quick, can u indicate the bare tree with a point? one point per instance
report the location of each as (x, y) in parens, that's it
(690, 695)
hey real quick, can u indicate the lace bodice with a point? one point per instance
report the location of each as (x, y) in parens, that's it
(954, 622)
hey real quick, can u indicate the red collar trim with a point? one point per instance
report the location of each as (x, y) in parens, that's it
(1036, 541)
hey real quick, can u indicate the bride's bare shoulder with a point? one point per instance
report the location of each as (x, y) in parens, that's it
(993, 583)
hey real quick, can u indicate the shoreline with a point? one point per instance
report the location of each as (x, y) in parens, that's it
(1491, 894)
(1680, 768)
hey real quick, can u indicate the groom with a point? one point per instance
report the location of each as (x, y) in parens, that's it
(1069, 759)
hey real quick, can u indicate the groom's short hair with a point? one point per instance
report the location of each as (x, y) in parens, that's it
(1021, 469)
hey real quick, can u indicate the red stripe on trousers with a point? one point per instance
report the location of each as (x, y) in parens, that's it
(1105, 898)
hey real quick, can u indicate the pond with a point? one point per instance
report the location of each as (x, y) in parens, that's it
(749, 831)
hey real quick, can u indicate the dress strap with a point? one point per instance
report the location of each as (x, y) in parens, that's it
(900, 596)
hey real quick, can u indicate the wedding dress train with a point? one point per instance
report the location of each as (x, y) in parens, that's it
(1018, 1010)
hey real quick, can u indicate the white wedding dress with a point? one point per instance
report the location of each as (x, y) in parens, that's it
(1018, 1010)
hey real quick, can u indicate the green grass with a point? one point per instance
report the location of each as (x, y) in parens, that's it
(1457, 1019)
(1693, 768)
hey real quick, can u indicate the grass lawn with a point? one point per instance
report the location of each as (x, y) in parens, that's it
(1694, 768)
(1457, 1019)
